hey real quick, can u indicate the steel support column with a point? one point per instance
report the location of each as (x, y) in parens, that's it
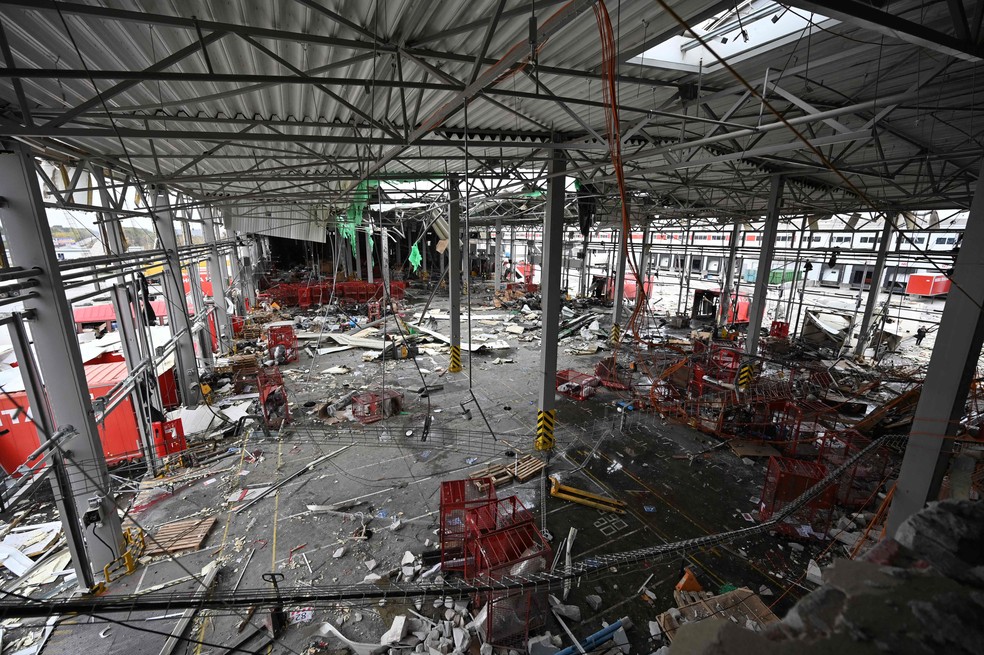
(766, 253)
(875, 288)
(620, 257)
(454, 272)
(951, 367)
(724, 302)
(130, 325)
(53, 331)
(177, 302)
(551, 292)
(384, 266)
(642, 296)
(204, 336)
(223, 327)
(369, 249)
(498, 255)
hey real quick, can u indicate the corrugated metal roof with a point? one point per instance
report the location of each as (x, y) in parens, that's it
(273, 148)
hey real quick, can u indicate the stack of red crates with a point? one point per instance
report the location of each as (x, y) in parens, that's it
(503, 542)
(493, 539)
(786, 480)
(457, 497)
(859, 484)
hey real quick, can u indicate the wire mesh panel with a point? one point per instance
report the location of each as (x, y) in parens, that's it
(785, 480)
(457, 497)
(861, 481)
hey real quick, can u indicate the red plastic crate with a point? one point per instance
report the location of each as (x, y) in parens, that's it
(575, 385)
(283, 335)
(273, 397)
(371, 406)
(169, 438)
(779, 329)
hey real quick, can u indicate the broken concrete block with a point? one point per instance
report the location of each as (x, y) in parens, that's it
(408, 558)
(541, 645)
(339, 552)
(485, 649)
(515, 329)
(813, 572)
(407, 573)
(594, 602)
(370, 564)
(654, 629)
(460, 639)
(569, 612)
(620, 639)
(450, 614)
(372, 577)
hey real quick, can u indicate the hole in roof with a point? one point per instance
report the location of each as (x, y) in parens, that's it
(750, 28)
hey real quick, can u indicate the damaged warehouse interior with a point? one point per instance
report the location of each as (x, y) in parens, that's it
(560, 327)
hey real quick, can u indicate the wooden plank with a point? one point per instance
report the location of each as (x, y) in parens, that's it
(527, 467)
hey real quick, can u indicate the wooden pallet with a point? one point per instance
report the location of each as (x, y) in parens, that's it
(684, 598)
(180, 536)
(499, 474)
(740, 606)
(527, 467)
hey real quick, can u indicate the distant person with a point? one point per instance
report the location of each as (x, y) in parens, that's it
(921, 334)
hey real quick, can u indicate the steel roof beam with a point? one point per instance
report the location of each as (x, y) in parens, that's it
(103, 96)
(883, 22)
(488, 77)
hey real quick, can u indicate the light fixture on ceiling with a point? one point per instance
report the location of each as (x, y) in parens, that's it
(778, 17)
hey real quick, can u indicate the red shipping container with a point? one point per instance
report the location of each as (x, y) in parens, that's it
(169, 438)
(118, 431)
(928, 285)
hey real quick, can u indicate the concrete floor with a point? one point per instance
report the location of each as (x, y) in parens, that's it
(668, 498)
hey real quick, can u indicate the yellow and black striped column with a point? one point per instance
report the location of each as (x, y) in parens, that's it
(744, 378)
(455, 366)
(616, 334)
(545, 420)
